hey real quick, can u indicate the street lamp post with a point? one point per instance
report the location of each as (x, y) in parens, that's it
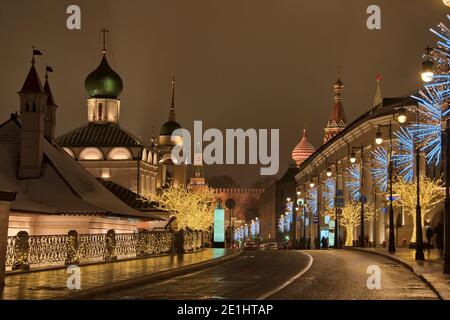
(447, 201)
(294, 215)
(362, 243)
(318, 244)
(379, 140)
(304, 224)
(419, 238)
(401, 118)
(336, 212)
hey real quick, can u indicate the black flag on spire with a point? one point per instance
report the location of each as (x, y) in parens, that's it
(48, 69)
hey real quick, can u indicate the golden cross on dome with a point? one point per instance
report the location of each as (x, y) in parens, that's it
(104, 31)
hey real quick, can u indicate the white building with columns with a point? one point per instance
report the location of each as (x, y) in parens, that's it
(332, 161)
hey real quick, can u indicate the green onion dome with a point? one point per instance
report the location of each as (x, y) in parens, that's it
(103, 82)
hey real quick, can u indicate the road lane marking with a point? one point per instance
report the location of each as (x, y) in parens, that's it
(292, 279)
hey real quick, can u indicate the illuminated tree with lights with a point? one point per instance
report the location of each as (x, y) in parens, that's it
(329, 193)
(353, 182)
(431, 193)
(380, 168)
(433, 108)
(281, 224)
(350, 218)
(312, 201)
(192, 209)
(288, 216)
(404, 156)
(287, 221)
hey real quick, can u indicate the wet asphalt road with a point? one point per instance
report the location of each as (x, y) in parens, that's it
(333, 275)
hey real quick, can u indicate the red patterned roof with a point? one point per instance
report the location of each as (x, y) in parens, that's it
(337, 116)
(303, 150)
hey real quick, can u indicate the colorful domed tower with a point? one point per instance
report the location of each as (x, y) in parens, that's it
(303, 150)
(337, 121)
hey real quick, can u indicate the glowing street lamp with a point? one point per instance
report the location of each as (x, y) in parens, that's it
(427, 67)
(353, 157)
(401, 115)
(329, 172)
(379, 138)
(427, 71)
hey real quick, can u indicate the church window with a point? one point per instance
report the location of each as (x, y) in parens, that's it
(120, 154)
(91, 154)
(100, 111)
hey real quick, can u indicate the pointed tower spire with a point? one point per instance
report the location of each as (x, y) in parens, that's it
(172, 103)
(50, 116)
(47, 89)
(378, 101)
(33, 109)
(171, 125)
(337, 121)
(153, 139)
(33, 82)
(197, 180)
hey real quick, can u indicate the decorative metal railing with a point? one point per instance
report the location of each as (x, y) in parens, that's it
(193, 240)
(11, 241)
(24, 251)
(47, 249)
(126, 245)
(91, 247)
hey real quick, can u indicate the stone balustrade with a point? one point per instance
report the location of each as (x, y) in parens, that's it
(25, 251)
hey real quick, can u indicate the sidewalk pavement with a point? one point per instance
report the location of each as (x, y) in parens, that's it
(429, 270)
(52, 284)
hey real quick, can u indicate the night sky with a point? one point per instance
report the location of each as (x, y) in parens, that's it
(238, 63)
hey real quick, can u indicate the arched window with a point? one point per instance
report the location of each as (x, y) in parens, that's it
(100, 111)
(150, 157)
(70, 152)
(144, 155)
(155, 159)
(120, 154)
(91, 154)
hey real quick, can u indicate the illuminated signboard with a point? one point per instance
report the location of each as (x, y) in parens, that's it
(219, 225)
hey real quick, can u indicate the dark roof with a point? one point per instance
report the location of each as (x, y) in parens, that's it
(100, 135)
(32, 82)
(388, 106)
(48, 90)
(129, 197)
(169, 127)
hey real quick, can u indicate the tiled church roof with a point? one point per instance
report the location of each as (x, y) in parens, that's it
(65, 187)
(130, 198)
(101, 135)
